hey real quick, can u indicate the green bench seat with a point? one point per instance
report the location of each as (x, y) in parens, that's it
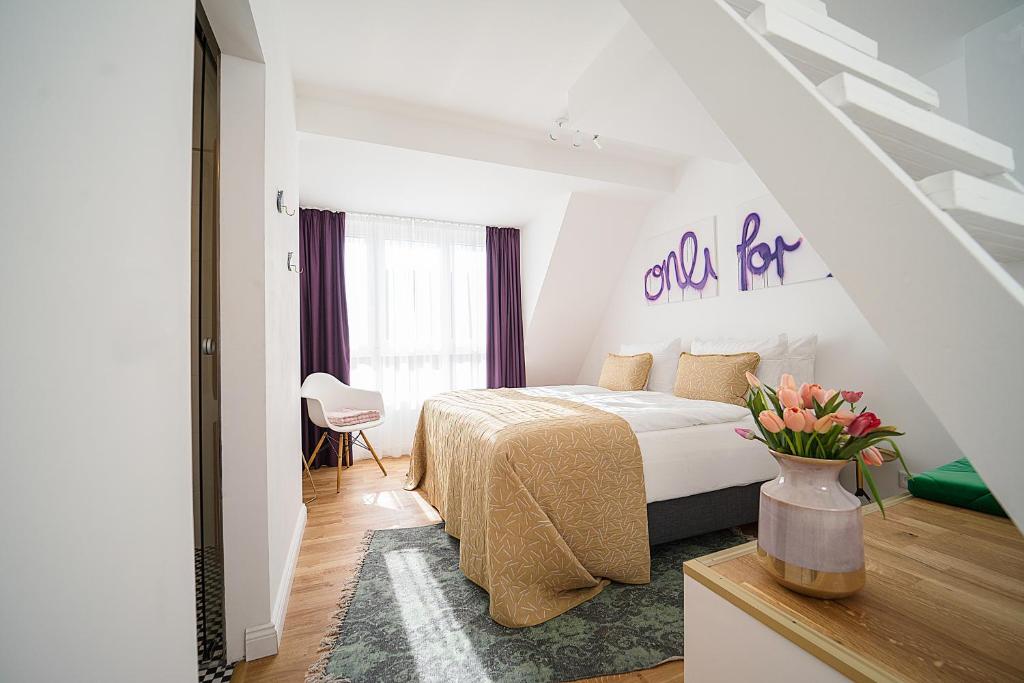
(956, 484)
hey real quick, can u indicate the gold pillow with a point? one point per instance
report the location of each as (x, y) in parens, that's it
(625, 373)
(715, 377)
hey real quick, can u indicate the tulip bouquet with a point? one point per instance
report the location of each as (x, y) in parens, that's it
(813, 422)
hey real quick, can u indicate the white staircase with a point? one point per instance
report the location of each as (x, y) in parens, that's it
(909, 210)
(990, 213)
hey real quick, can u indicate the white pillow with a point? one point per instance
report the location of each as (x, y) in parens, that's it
(779, 354)
(799, 360)
(666, 359)
(766, 347)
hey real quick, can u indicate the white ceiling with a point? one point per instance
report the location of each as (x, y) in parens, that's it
(351, 175)
(918, 35)
(420, 82)
(507, 61)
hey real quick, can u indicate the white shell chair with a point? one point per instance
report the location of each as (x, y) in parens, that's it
(325, 394)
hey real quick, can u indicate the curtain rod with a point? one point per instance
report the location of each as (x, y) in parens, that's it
(407, 218)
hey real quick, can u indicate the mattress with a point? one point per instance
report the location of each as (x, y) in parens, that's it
(687, 446)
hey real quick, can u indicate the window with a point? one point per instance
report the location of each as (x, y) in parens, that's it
(416, 314)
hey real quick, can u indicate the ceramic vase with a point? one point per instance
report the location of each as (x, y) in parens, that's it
(810, 533)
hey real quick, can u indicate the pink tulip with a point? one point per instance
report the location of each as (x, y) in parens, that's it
(753, 381)
(771, 421)
(865, 423)
(843, 417)
(789, 398)
(747, 434)
(787, 382)
(794, 419)
(809, 392)
(852, 396)
(809, 421)
(872, 456)
(823, 423)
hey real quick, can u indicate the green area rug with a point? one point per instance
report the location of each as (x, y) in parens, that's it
(411, 615)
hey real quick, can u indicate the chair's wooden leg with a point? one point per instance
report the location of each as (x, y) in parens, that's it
(369, 447)
(310, 475)
(316, 450)
(341, 458)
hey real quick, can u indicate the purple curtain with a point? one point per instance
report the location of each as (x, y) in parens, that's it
(506, 366)
(323, 309)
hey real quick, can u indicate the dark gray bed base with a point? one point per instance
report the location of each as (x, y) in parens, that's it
(671, 520)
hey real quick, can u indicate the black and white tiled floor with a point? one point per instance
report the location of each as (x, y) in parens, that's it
(212, 668)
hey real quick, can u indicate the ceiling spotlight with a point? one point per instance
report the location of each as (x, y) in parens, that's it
(577, 139)
(555, 131)
(597, 143)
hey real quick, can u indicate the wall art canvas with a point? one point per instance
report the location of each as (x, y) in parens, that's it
(770, 250)
(682, 264)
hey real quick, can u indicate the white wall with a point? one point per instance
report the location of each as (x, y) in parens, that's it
(263, 512)
(950, 81)
(536, 243)
(995, 80)
(96, 530)
(584, 265)
(850, 354)
(286, 514)
(243, 352)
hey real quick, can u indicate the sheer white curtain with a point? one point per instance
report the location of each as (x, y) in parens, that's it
(416, 314)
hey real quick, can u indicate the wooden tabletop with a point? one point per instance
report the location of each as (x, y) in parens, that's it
(944, 599)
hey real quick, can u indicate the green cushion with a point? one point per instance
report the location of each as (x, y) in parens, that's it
(956, 484)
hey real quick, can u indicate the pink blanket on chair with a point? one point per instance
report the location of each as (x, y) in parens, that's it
(349, 417)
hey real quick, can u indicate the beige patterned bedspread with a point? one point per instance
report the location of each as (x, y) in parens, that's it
(546, 496)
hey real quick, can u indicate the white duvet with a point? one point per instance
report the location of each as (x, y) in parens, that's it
(687, 446)
(646, 411)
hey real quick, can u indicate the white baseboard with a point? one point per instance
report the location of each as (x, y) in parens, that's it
(261, 641)
(284, 589)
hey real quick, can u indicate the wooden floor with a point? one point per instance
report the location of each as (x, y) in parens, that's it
(334, 527)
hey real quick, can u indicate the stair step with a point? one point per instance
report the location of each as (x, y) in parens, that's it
(817, 20)
(745, 7)
(922, 142)
(993, 215)
(820, 56)
(1008, 181)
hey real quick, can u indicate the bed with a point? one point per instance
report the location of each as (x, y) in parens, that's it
(554, 491)
(699, 476)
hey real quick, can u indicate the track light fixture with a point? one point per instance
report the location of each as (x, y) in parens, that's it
(579, 137)
(555, 131)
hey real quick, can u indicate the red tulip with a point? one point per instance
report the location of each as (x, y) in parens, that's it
(865, 423)
(852, 396)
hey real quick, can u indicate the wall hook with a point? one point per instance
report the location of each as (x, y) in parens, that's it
(294, 267)
(281, 206)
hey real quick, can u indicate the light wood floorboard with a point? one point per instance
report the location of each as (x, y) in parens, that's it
(327, 559)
